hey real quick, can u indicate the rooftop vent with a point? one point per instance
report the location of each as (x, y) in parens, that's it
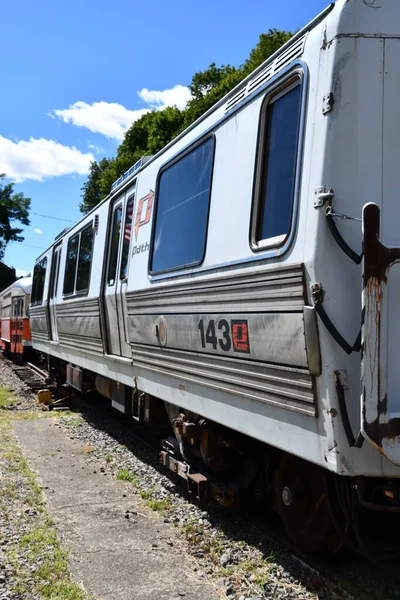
(282, 60)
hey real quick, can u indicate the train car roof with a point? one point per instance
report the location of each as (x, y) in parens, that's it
(24, 283)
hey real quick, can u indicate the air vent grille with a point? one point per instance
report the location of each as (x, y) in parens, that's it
(283, 60)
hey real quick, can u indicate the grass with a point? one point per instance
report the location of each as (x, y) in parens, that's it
(6, 399)
(23, 507)
(126, 475)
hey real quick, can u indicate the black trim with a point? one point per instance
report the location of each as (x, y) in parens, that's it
(164, 167)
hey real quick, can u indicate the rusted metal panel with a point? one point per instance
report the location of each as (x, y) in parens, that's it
(379, 424)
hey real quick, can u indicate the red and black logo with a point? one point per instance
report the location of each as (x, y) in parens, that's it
(240, 336)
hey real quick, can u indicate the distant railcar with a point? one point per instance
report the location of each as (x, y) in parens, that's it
(15, 333)
(246, 279)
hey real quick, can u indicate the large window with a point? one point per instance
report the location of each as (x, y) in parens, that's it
(39, 274)
(182, 210)
(277, 166)
(79, 261)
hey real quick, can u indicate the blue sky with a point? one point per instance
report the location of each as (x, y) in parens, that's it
(75, 75)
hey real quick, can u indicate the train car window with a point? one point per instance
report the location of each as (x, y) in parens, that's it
(55, 267)
(70, 268)
(127, 238)
(39, 274)
(183, 200)
(85, 259)
(277, 167)
(115, 235)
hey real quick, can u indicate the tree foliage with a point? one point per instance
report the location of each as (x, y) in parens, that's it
(91, 193)
(156, 129)
(14, 207)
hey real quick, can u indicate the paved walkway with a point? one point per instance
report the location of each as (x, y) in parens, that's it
(115, 558)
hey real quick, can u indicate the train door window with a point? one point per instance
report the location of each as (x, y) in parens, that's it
(276, 168)
(39, 274)
(70, 268)
(115, 235)
(85, 259)
(183, 199)
(127, 238)
(55, 269)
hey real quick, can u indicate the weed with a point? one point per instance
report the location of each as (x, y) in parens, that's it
(126, 475)
(6, 399)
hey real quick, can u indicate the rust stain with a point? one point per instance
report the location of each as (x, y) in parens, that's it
(377, 262)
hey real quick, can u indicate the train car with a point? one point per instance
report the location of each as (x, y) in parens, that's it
(15, 333)
(246, 278)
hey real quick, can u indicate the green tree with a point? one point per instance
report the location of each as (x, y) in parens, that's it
(154, 130)
(268, 43)
(147, 136)
(13, 207)
(91, 192)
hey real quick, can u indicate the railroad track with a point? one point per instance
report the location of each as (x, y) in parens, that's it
(35, 378)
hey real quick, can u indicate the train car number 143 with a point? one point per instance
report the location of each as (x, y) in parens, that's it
(227, 335)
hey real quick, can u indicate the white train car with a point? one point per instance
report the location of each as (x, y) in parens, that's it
(238, 276)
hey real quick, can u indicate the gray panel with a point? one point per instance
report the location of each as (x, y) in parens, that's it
(87, 344)
(274, 366)
(277, 385)
(276, 290)
(78, 324)
(269, 337)
(38, 323)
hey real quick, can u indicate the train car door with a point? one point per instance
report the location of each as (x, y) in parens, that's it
(116, 276)
(52, 300)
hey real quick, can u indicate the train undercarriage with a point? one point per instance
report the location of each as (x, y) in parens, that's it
(321, 512)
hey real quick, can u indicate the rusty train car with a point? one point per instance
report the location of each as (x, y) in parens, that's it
(245, 280)
(15, 332)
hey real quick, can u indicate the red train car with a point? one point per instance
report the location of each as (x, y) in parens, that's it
(15, 332)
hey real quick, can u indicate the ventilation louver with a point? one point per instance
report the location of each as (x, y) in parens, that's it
(294, 51)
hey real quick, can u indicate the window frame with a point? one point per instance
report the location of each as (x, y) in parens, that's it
(279, 244)
(175, 159)
(74, 234)
(43, 264)
(131, 197)
(118, 203)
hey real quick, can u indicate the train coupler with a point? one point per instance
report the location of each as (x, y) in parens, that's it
(203, 489)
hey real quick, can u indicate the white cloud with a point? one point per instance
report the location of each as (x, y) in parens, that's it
(39, 159)
(96, 149)
(21, 272)
(110, 119)
(38, 231)
(178, 96)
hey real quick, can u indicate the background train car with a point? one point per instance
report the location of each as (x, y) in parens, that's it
(216, 279)
(15, 333)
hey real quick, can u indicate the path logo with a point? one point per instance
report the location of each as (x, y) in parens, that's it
(146, 201)
(240, 336)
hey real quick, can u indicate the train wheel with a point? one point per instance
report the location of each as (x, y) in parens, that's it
(302, 502)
